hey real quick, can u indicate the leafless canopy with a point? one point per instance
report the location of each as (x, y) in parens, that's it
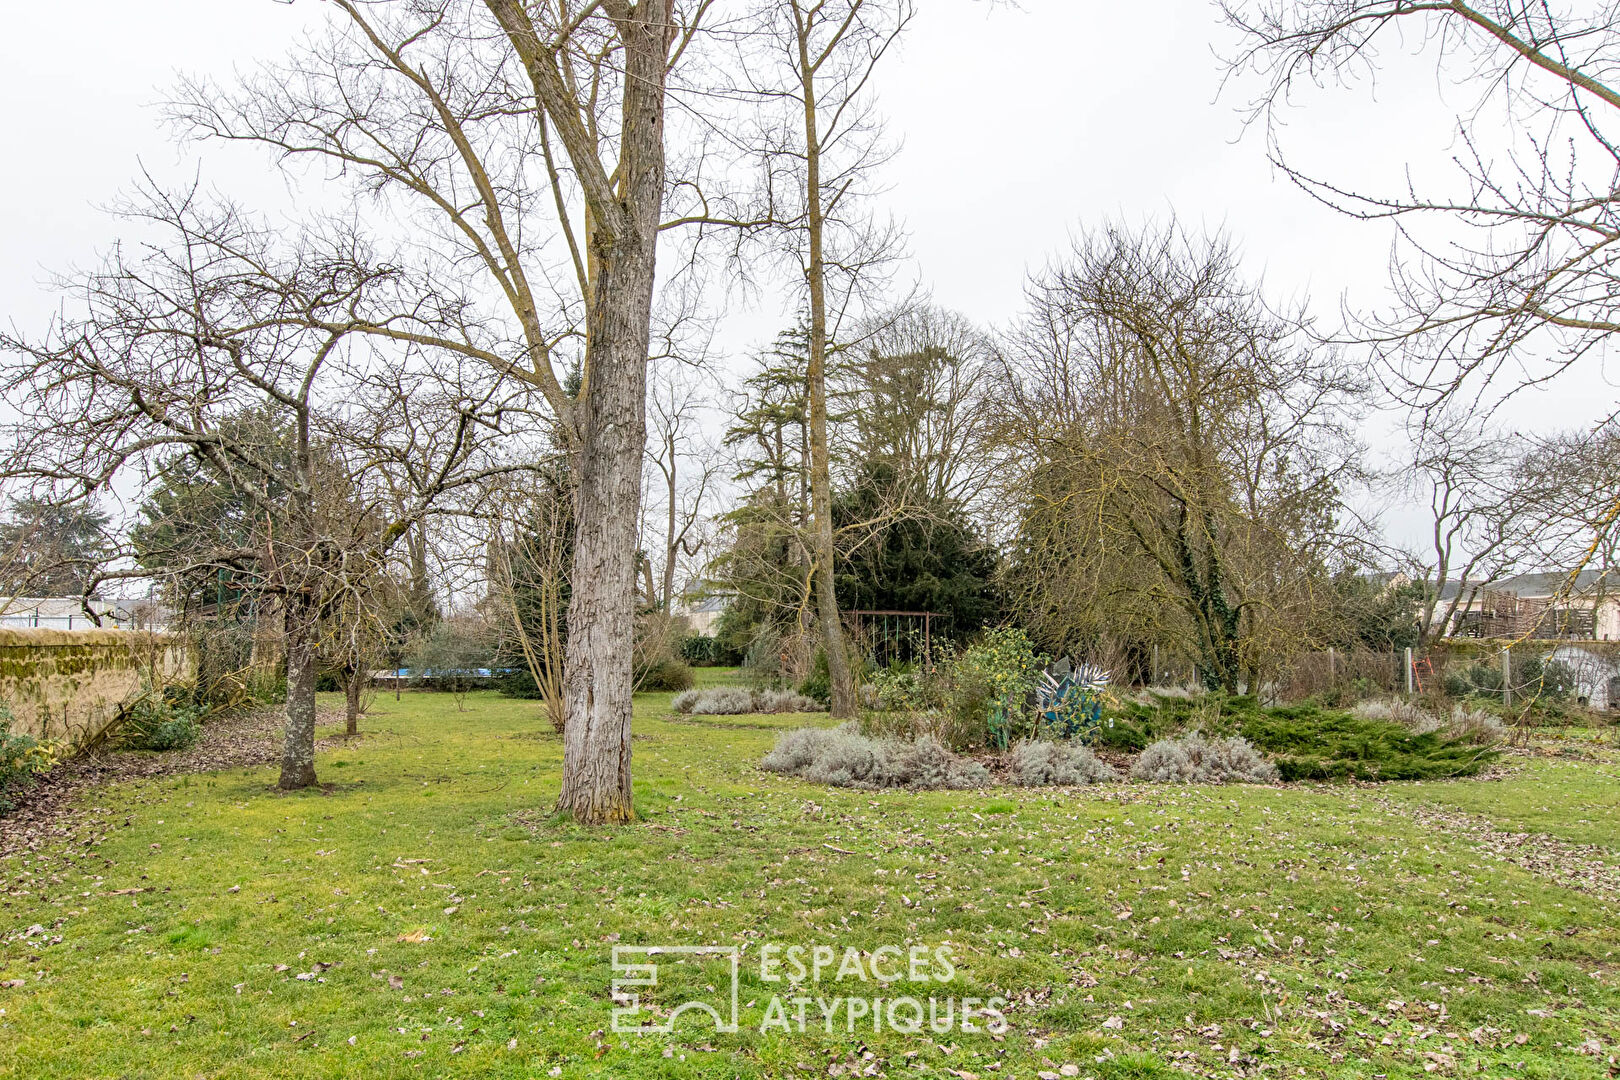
(226, 346)
(1177, 446)
(1506, 278)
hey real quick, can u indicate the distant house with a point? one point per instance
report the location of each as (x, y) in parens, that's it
(1540, 606)
(61, 613)
(702, 613)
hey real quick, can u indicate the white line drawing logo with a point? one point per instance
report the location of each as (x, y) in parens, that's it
(633, 966)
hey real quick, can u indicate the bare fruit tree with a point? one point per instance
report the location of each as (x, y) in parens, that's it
(525, 142)
(240, 356)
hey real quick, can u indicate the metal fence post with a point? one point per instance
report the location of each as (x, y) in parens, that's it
(1409, 671)
(1507, 677)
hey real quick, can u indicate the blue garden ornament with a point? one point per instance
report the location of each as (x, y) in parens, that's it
(1070, 701)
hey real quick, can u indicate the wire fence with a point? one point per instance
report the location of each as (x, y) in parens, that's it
(1586, 673)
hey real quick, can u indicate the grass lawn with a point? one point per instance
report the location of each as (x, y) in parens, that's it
(426, 916)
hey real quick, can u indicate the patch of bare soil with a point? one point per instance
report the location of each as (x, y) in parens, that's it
(60, 807)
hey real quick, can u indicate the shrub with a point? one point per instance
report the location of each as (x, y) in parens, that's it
(1196, 759)
(1475, 725)
(1549, 680)
(735, 701)
(1532, 677)
(979, 696)
(843, 757)
(723, 701)
(925, 763)
(518, 682)
(818, 684)
(1401, 712)
(457, 655)
(1043, 764)
(784, 701)
(161, 723)
(796, 750)
(23, 759)
(1154, 714)
(698, 650)
(178, 732)
(1307, 742)
(950, 702)
(999, 672)
(664, 674)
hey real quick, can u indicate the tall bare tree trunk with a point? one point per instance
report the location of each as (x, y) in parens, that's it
(298, 747)
(822, 544)
(612, 428)
(597, 684)
(421, 594)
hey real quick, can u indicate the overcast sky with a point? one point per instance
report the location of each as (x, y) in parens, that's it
(1020, 129)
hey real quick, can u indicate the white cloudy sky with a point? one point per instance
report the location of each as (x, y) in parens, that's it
(1020, 127)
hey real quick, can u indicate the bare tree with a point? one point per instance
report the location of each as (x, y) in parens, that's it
(239, 354)
(357, 631)
(1180, 446)
(527, 141)
(685, 470)
(1566, 481)
(1506, 280)
(913, 393)
(819, 159)
(1477, 515)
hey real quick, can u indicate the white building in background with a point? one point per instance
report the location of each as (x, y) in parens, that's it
(702, 614)
(61, 613)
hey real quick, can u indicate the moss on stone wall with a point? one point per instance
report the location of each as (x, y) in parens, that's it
(69, 686)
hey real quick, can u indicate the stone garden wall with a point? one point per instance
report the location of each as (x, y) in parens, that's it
(69, 686)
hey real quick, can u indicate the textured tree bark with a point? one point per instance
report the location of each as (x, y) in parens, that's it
(352, 686)
(612, 428)
(298, 746)
(832, 631)
(597, 678)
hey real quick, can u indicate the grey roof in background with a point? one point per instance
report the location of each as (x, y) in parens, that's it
(1536, 586)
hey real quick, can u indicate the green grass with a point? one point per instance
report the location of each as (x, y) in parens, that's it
(1571, 791)
(1305, 928)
